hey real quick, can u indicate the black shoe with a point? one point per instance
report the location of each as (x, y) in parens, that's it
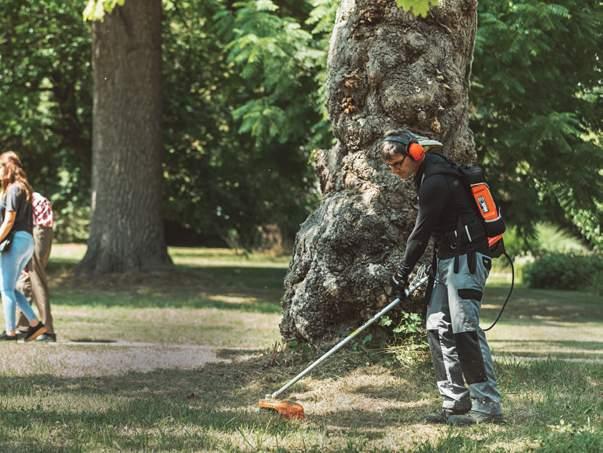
(35, 332)
(5, 337)
(443, 415)
(47, 338)
(474, 418)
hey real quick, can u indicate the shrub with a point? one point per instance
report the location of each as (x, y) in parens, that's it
(546, 238)
(565, 271)
(408, 327)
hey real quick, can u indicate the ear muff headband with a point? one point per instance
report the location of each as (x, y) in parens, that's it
(412, 148)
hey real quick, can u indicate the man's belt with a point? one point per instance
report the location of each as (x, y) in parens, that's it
(466, 237)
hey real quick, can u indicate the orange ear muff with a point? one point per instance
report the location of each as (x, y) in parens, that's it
(416, 152)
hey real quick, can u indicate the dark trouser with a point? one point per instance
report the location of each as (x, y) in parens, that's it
(458, 346)
(34, 284)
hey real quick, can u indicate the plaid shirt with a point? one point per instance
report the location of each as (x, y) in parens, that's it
(42, 211)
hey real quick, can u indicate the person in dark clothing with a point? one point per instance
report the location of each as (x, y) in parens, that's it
(16, 225)
(447, 213)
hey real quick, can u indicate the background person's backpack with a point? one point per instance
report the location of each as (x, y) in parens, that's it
(42, 211)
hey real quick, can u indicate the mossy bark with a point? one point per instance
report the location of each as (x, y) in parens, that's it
(387, 69)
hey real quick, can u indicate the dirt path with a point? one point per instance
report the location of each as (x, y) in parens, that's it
(77, 359)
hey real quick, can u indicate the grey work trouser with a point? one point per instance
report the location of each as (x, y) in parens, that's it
(34, 283)
(458, 345)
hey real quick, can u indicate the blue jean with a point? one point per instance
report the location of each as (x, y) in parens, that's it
(12, 263)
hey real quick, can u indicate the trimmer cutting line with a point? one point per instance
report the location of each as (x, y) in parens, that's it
(290, 409)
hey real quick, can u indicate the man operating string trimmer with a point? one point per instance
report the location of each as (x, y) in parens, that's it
(457, 208)
(467, 227)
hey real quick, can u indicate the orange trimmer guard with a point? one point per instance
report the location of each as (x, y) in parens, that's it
(287, 409)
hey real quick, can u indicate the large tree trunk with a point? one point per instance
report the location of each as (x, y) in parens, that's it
(126, 231)
(387, 69)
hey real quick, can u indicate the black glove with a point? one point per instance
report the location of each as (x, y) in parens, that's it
(400, 283)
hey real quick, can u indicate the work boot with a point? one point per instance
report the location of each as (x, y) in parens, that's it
(474, 418)
(442, 415)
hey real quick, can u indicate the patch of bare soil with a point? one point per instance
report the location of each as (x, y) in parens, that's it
(90, 359)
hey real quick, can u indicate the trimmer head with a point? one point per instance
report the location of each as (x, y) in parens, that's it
(285, 408)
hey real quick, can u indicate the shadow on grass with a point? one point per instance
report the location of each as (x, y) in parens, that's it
(259, 289)
(117, 299)
(574, 351)
(534, 306)
(585, 345)
(382, 392)
(180, 276)
(146, 410)
(212, 408)
(253, 289)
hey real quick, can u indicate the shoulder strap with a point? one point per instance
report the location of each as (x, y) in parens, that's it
(446, 167)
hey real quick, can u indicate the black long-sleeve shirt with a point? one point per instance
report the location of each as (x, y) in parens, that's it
(442, 200)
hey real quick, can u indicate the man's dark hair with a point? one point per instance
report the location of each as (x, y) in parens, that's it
(390, 149)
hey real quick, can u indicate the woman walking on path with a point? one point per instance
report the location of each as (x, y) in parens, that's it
(17, 225)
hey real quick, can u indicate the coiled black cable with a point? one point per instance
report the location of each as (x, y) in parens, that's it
(508, 295)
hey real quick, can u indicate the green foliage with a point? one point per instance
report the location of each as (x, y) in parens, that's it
(237, 149)
(553, 239)
(547, 238)
(71, 208)
(410, 324)
(46, 103)
(322, 20)
(596, 286)
(96, 9)
(538, 112)
(366, 340)
(417, 7)
(244, 89)
(237, 124)
(407, 327)
(276, 58)
(564, 271)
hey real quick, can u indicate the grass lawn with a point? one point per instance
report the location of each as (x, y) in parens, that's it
(177, 361)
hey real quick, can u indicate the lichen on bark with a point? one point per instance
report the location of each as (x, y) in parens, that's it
(387, 70)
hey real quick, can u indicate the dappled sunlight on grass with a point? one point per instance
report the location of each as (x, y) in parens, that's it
(207, 326)
(214, 406)
(530, 304)
(523, 348)
(187, 256)
(236, 300)
(190, 352)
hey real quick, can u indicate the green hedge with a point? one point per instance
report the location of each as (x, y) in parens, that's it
(565, 271)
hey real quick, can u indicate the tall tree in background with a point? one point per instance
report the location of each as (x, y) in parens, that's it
(387, 69)
(126, 232)
(250, 76)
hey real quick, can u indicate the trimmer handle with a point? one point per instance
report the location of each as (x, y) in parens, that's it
(420, 278)
(422, 272)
